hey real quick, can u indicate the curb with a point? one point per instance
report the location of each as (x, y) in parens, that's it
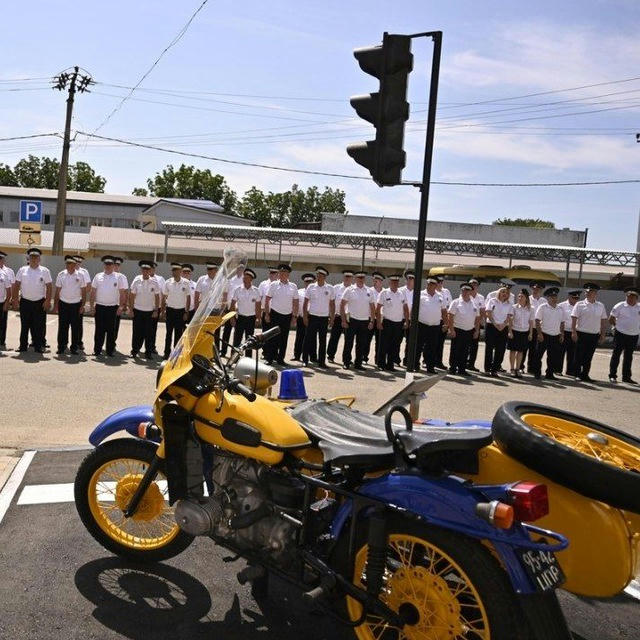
(8, 460)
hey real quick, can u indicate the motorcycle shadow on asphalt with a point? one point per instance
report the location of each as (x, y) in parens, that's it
(164, 603)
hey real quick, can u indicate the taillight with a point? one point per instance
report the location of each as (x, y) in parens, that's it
(530, 501)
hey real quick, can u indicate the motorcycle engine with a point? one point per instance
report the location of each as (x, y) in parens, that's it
(245, 507)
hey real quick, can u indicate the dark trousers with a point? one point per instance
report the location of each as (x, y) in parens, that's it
(154, 333)
(494, 347)
(226, 337)
(105, 327)
(336, 332)
(142, 331)
(569, 353)
(585, 348)
(80, 331)
(552, 346)
(460, 349)
(622, 344)
(441, 338)
(300, 331)
(191, 314)
(428, 336)
(245, 326)
(357, 330)
(32, 319)
(69, 317)
(373, 335)
(473, 351)
(390, 341)
(279, 349)
(315, 338)
(174, 323)
(4, 316)
(117, 327)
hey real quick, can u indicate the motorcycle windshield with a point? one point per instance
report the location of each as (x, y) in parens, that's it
(212, 312)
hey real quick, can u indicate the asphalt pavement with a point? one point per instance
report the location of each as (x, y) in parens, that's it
(57, 582)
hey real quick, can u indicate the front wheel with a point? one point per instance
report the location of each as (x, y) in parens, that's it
(104, 485)
(449, 586)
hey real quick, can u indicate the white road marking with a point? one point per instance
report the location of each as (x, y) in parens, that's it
(10, 488)
(633, 589)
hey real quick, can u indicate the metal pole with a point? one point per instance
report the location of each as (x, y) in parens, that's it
(566, 271)
(638, 251)
(412, 341)
(280, 251)
(364, 248)
(510, 261)
(57, 247)
(580, 271)
(166, 244)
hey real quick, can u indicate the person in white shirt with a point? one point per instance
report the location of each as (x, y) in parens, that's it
(336, 327)
(9, 278)
(378, 280)
(447, 298)
(536, 299)
(520, 331)
(245, 299)
(407, 290)
(318, 314)
(68, 303)
(233, 283)
(281, 310)
(117, 262)
(155, 319)
(87, 279)
(504, 282)
(431, 316)
(357, 301)
(392, 304)
(176, 302)
(205, 283)
(499, 316)
(464, 324)
(568, 345)
(33, 286)
(478, 299)
(588, 329)
(550, 335)
(625, 317)
(187, 272)
(307, 279)
(108, 300)
(144, 300)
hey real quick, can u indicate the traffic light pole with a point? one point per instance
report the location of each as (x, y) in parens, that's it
(413, 358)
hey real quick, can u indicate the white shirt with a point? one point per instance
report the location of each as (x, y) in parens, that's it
(282, 295)
(5, 286)
(479, 301)
(192, 290)
(123, 280)
(33, 282)
(359, 301)
(301, 295)
(204, 285)
(85, 274)
(246, 299)
(627, 318)
(9, 272)
(71, 285)
(536, 302)
(177, 293)
(263, 288)
(446, 295)
(392, 303)
(494, 294)
(145, 292)
(408, 296)
(339, 290)
(108, 287)
(550, 318)
(567, 308)
(319, 298)
(431, 307)
(233, 284)
(499, 310)
(522, 317)
(464, 314)
(590, 315)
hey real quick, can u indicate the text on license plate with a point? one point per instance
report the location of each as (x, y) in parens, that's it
(542, 567)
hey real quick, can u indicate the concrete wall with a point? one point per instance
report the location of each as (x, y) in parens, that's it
(452, 230)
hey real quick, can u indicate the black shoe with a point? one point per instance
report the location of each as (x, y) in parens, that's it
(73, 352)
(330, 359)
(81, 346)
(97, 353)
(431, 370)
(550, 376)
(359, 367)
(149, 356)
(21, 350)
(390, 368)
(346, 365)
(495, 374)
(3, 345)
(537, 376)
(40, 350)
(450, 369)
(465, 373)
(295, 359)
(586, 378)
(282, 363)
(629, 380)
(60, 352)
(133, 354)
(613, 378)
(322, 365)
(502, 370)
(110, 354)
(474, 369)
(269, 362)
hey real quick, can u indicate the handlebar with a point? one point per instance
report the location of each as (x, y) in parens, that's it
(235, 386)
(267, 335)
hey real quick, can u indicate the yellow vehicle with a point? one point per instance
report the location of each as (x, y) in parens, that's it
(372, 520)
(520, 274)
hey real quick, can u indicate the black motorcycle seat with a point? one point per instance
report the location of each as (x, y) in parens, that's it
(348, 436)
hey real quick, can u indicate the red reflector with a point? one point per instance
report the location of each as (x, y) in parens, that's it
(530, 501)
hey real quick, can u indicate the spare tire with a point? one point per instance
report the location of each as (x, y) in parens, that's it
(591, 458)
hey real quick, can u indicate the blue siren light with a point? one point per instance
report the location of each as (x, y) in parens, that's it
(292, 385)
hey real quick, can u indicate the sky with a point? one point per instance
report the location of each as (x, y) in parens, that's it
(269, 83)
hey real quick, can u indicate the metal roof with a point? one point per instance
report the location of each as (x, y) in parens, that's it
(83, 196)
(335, 239)
(10, 238)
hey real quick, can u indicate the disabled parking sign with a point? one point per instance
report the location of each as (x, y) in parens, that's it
(31, 211)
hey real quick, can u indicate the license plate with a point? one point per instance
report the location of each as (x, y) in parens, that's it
(542, 567)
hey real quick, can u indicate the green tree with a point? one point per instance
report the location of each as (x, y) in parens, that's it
(82, 177)
(192, 183)
(525, 222)
(140, 191)
(7, 177)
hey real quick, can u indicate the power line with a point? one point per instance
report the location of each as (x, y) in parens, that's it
(35, 135)
(350, 176)
(175, 41)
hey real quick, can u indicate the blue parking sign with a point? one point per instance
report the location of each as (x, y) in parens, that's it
(31, 211)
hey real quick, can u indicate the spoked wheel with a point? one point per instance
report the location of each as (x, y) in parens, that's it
(447, 586)
(106, 481)
(591, 458)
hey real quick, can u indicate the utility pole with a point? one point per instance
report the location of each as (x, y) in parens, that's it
(76, 82)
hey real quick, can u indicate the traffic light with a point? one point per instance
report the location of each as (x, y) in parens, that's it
(386, 109)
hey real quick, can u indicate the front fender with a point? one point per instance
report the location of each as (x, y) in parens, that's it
(124, 420)
(450, 503)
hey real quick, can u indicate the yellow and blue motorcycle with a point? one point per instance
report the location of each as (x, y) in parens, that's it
(377, 520)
